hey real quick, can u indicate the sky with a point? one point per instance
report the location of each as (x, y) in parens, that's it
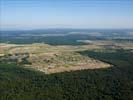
(40, 14)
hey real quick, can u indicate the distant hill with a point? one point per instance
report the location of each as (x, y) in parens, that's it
(63, 36)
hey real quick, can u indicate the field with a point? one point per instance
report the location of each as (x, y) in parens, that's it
(50, 59)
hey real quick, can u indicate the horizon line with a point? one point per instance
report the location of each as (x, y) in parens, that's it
(66, 28)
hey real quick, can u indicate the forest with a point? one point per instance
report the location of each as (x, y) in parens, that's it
(115, 83)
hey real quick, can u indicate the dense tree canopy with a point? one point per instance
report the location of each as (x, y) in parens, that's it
(116, 83)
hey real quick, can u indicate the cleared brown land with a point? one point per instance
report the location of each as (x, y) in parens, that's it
(54, 59)
(61, 62)
(92, 65)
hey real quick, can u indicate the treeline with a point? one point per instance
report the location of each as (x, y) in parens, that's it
(52, 40)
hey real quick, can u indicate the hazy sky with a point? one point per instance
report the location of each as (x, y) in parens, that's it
(34, 14)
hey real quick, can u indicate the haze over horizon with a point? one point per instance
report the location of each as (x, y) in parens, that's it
(40, 14)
